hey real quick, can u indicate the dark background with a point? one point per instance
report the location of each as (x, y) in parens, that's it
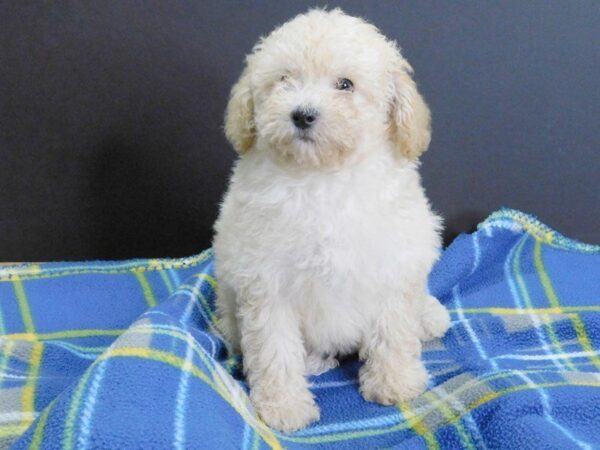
(111, 112)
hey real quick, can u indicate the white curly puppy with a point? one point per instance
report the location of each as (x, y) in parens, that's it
(325, 237)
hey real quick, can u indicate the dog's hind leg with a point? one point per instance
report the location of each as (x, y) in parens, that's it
(435, 319)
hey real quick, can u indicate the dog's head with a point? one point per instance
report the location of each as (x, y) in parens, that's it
(313, 88)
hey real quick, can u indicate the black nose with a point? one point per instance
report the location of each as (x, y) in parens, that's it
(304, 118)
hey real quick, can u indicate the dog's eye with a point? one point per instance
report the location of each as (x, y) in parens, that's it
(344, 84)
(284, 77)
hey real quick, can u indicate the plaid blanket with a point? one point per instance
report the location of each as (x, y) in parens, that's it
(123, 355)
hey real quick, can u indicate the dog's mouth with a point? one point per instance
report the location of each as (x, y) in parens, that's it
(305, 137)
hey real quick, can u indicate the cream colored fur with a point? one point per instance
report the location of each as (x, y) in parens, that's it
(323, 246)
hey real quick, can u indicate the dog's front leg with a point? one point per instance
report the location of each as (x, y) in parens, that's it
(393, 370)
(274, 357)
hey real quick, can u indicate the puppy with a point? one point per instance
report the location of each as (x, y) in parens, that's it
(325, 237)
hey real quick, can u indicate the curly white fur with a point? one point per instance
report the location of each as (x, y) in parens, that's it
(325, 237)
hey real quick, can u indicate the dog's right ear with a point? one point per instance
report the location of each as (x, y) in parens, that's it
(239, 116)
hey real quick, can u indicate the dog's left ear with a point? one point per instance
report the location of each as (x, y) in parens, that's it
(410, 124)
(239, 116)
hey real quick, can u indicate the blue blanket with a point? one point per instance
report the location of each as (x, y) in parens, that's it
(122, 355)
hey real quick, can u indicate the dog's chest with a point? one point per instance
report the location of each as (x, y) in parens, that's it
(340, 241)
(325, 227)
(333, 231)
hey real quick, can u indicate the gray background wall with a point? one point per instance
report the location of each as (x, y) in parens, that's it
(110, 115)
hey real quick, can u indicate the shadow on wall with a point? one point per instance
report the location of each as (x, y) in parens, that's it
(463, 222)
(131, 200)
(144, 194)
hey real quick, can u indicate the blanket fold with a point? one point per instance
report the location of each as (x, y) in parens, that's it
(129, 355)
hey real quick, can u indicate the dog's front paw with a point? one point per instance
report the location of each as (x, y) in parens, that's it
(285, 410)
(435, 320)
(393, 382)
